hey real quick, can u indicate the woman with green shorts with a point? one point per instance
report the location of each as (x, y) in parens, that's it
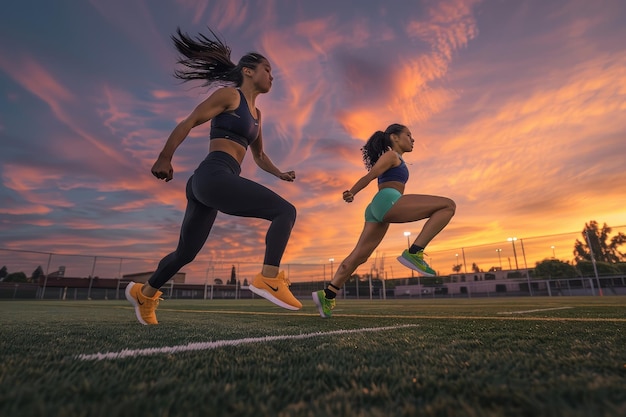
(382, 155)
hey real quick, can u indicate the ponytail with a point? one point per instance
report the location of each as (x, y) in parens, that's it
(378, 144)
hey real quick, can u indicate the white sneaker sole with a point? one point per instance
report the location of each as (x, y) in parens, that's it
(132, 300)
(410, 265)
(270, 297)
(318, 303)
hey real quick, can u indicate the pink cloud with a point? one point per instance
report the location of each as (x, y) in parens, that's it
(29, 181)
(530, 141)
(26, 209)
(449, 25)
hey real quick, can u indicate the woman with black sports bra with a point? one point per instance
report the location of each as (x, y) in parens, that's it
(382, 155)
(216, 185)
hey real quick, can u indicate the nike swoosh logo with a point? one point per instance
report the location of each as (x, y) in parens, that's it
(273, 289)
(139, 302)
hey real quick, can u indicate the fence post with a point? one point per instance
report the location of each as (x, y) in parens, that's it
(593, 261)
(93, 270)
(45, 280)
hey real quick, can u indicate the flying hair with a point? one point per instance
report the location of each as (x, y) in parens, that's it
(208, 59)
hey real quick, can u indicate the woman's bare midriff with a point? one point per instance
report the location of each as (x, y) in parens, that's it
(396, 185)
(226, 145)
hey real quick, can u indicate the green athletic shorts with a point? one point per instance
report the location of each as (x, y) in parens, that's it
(380, 205)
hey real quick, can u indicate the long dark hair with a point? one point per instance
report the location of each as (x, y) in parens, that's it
(378, 144)
(208, 59)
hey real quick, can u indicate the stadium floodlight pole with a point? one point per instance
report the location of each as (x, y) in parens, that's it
(331, 260)
(206, 280)
(593, 261)
(119, 278)
(512, 240)
(553, 254)
(384, 286)
(521, 241)
(45, 280)
(93, 271)
(212, 280)
(499, 257)
(464, 263)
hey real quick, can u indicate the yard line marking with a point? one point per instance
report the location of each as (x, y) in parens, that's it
(223, 343)
(534, 311)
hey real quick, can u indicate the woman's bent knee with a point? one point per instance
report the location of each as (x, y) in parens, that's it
(289, 211)
(451, 205)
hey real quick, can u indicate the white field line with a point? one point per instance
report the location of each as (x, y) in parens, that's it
(534, 311)
(126, 353)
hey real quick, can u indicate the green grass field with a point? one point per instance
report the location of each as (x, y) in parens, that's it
(535, 357)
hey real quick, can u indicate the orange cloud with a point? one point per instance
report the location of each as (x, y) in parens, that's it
(524, 132)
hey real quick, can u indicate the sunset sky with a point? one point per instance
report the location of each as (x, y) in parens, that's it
(518, 109)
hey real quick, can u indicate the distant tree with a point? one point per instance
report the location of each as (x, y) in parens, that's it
(604, 250)
(554, 268)
(37, 273)
(245, 282)
(585, 268)
(16, 277)
(475, 268)
(457, 268)
(233, 276)
(3, 273)
(218, 281)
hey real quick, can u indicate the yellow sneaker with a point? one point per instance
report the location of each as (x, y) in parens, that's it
(275, 290)
(145, 308)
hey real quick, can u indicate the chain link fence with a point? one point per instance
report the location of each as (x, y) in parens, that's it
(500, 268)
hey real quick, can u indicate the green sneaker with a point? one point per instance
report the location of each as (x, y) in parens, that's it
(416, 262)
(324, 305)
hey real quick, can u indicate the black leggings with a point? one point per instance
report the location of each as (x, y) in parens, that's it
(216, 186)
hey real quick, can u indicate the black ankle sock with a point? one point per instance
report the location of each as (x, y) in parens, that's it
(331, 293)
(415, 249)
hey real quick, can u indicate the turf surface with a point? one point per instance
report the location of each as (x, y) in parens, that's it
(561, 356)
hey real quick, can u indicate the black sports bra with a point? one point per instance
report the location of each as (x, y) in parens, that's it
(237, 125)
